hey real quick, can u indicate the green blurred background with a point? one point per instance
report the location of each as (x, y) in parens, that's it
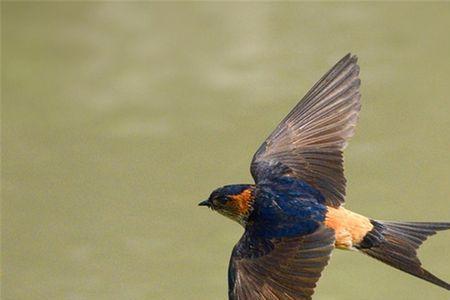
(118, 118)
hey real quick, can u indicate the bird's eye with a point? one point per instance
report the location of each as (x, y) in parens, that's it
(221, 200)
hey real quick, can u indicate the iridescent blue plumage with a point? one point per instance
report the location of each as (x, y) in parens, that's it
(284, 208)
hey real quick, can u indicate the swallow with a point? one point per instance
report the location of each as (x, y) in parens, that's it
(293, 216)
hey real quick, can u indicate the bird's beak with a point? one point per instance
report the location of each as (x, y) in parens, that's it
(205, 203)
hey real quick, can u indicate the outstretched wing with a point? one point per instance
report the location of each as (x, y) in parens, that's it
(284, 268)
(308, 143)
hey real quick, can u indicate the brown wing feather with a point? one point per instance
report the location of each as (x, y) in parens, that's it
(290, 269)
(308, 143)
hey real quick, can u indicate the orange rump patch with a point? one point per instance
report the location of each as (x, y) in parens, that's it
(350, 228)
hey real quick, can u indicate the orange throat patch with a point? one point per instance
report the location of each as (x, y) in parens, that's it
(242, 203)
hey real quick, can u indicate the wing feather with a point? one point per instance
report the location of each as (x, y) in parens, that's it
(288, 270)
(308, 143)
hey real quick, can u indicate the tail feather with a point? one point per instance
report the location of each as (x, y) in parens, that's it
(396, 244)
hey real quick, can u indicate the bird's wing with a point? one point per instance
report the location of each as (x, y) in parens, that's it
(283, 268)
(308, 143)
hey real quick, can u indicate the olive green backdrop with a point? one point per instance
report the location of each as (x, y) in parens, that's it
(118, 118)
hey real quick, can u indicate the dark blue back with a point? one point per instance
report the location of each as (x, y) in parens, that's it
(286, 207)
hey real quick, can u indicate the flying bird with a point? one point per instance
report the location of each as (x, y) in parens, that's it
(293, 215)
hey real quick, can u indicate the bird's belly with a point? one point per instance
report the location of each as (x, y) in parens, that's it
(350, 228)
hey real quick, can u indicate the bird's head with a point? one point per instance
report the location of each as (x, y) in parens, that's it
(233, 201)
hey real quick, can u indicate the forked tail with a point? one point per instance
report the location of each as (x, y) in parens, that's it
(395, 243)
